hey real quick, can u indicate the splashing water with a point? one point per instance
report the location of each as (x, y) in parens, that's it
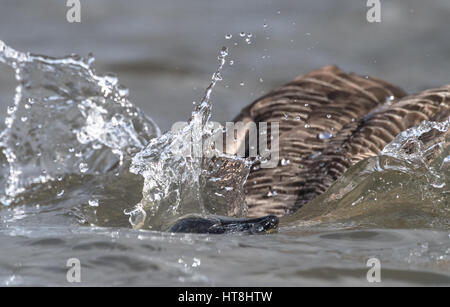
(421, 146)
(184, 174)
(408, 185)
(66, 120)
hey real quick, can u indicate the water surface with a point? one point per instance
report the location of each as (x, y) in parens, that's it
(166, 56)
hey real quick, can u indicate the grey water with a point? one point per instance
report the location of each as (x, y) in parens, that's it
(165, 52)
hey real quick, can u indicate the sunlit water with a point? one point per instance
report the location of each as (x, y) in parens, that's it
(85, 174)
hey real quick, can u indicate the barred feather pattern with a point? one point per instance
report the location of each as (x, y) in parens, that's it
(360, 114)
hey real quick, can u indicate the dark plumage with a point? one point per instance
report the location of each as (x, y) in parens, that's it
(329, 120)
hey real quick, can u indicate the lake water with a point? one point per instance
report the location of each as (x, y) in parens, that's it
(165, 53)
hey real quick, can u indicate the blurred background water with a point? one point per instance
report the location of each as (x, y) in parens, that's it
(165, 50)
(165, 53)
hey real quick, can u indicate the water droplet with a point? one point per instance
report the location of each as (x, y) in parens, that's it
(83, 167)
(137, 215)
(231, 62)
(261, 80)
(390, 98)
(307, 125)
(123, 91)
(195, 262)
(93, 203)
(328, 115)
(438, 185)
(271, 193)
(446, 160)
(223, 53)
(228, 36)
(242, 84)
(324, 135)
(11, 109)
(242, 34)
(314, 155)
(285, 162)
(97, 146)
(265, 25)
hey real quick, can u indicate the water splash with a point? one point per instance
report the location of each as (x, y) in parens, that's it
(66, 120)
(407, 185)
(183, 174)
(416, 143)
(420, 146)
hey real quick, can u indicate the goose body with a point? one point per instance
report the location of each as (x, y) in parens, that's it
(328, 121)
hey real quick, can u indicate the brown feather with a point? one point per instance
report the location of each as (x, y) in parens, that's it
(352, 108)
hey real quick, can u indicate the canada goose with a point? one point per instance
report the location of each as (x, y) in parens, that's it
(328, 121)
